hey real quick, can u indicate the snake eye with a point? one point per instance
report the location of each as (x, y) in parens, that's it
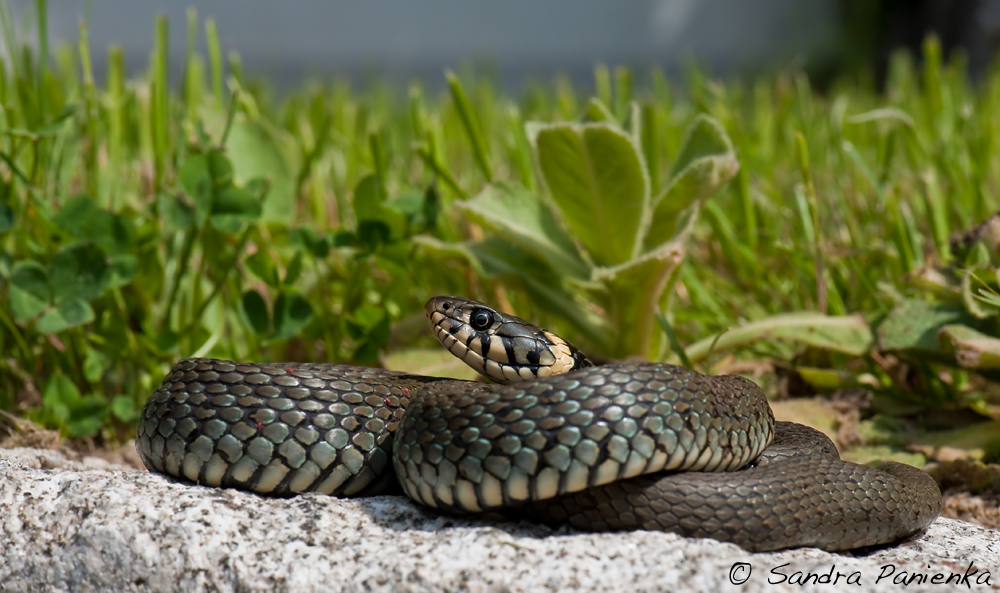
(481, 319)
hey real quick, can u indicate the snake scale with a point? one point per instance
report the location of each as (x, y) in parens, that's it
(610, 447)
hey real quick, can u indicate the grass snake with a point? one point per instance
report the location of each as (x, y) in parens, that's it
(617, 446)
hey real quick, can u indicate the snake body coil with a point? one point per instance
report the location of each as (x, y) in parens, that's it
(598, 447)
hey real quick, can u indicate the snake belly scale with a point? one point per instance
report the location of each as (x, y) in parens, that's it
(620, 446)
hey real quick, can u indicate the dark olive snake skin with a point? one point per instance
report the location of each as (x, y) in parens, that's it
(597, 447)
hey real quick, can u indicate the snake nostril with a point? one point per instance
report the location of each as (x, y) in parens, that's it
(445, 306)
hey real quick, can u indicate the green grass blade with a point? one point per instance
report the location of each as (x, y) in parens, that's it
(651, 142)
(623, 91)
(116, 105)
(602, 81)
(90, 168)
(937, 211)
(214, 59)
(471, 125)
(43, 55)
(159, 111)
(675, 343)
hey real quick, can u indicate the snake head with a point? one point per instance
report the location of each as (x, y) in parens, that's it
(502, 347)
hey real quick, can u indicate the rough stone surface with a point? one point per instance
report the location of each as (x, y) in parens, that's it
(90, 525)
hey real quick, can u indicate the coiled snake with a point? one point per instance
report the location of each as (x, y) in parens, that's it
(597, 447)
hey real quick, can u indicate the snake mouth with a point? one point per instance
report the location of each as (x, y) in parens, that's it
(439, 304)
(502, 347)
(449, 322)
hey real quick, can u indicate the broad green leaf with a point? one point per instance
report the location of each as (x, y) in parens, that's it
(196, 179)
(166, 340)
(255, 312)
(395, 259)
(419, 209)
(6, 218)
(204, 177)
(704, 138)
(116, 337)
(372, 234)
(257, 149)
(597, 111)
(59, 395)
(234, 201)
(364, 319)
(74, 213)
(410, 204)
(220, 169)
(115, 234)
(827, 379)
(972, 349)
(123, 268)
(258, 187)
(977, 439)
(368, 351)
(368, 207)
(521, 217)
(636, 287)
(124, 408)
(294, 269)
(79, 271)
(87, 415)
(440, 249)
(24, 305)
(344, 239)
(848, 334)
(81, 218)
(309, 239)
(94, 365)
(914, 325)
(431, 207)
(67, 314)
(706, 162)
(367, 198)
(396, 221)
(29, 290)
(291, 314)
(232, 208)
(176, 213)
(262, 266)
(81, 416)
(598, 182)
(370, 326)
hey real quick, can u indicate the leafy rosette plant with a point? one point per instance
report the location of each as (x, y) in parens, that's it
(598, 233)
(958, 326)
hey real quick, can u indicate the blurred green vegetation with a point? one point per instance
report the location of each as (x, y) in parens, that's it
(708, 222)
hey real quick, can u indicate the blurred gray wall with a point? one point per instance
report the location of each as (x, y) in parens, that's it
(405, 39)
